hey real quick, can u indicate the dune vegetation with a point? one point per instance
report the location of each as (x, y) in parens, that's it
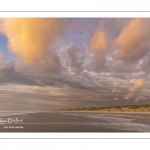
(125, 108)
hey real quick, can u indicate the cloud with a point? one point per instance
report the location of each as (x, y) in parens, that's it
(133, 42)
(85, 72)
(3, 63)
(99, 41)
(138, 85)
(113, 26)
(116, 99)
(145, 65)
(139, 98)
(99, 44)
(32, 38)
(76, 56)
(114, 90)
(129, 96)
(99, 62)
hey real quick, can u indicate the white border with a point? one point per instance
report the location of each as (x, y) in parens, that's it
(97, 135)
(74, 5)
(76, 14)
(78, 144)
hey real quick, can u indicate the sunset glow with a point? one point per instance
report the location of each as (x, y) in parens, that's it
(61, 63)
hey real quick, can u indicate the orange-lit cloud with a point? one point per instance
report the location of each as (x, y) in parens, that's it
(129, 96)
(133, 42)
(99, 41)
(138, 85)
(31, 38)
(98, 44)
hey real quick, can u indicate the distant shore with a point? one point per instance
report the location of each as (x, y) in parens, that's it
(126, 109)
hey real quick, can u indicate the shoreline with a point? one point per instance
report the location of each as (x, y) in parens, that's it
(108, 112)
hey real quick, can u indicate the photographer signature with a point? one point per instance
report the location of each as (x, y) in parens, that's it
(11, 120)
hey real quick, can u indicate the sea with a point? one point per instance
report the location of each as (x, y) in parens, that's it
(30, 121)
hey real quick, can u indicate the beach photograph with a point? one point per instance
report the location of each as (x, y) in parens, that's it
(74, 74)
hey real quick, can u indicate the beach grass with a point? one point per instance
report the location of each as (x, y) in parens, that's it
(145, 107)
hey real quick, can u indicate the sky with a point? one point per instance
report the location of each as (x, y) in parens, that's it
(59, 63)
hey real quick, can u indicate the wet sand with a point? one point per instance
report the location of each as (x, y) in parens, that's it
(111, 112)
(87, 121)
